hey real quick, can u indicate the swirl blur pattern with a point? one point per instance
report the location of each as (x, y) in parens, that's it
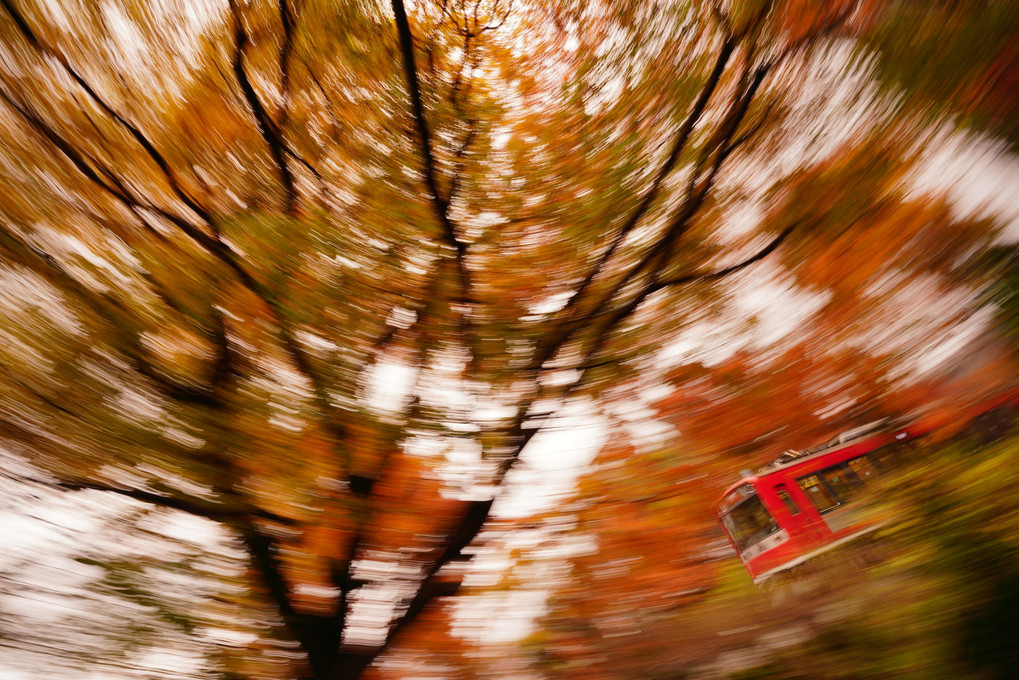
(373, 339)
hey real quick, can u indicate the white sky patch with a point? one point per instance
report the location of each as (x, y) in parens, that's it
(127, 36)
(317, 342)
(678, 352)
(644, 430)
(553, 460)
(836, 103)
(978, 175)
(502, 617)
(508, 615)
(45, 532)
(389, 385)
(138, 406)
(501, 139)
(170, 660)
(183, 527)
(946, 348)
(286, 422)
(9, 674)
(778, 307)
(551, 304)
(23, 294)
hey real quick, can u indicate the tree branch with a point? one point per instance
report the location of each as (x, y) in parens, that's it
(330, 107)
(720, 145)
(216, 513)
(656, 260)
(107, 307)
(458, 159)
(303, 630)
(722, 273)
(589, 360)
(132, 129)
(61, 144)
(472, 128)
(286, 49)
(259, 543)
(651, 264)
(440, 205)
(352, 663)
(311, 632)
(266, 128)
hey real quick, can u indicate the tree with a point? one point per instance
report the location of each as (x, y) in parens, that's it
(317, 274)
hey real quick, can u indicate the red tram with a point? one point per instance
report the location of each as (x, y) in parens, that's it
(803, 503)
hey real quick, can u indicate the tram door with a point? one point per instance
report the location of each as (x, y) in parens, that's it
(798, 518)
(833, 492)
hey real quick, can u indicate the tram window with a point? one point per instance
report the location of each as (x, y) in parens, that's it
(889, 456)
(790, 504)
(749, 523)
(818, 492)
(841, 482)
(863, 468)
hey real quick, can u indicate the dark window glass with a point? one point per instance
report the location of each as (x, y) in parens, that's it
(887, 456)
(863, 468)
(749, 523)
(891, 455)
(736, 496)
(790, 504)
(818, 492)
(842, 482)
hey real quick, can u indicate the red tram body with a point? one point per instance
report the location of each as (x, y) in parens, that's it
(804, 503)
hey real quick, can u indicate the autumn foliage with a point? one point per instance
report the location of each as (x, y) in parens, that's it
(295, 288)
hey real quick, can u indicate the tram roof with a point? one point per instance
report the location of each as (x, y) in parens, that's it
(836, 443)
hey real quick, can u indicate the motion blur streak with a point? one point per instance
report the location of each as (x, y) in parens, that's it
(375, 339)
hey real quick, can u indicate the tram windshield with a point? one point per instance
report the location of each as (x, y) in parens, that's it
(748, 522)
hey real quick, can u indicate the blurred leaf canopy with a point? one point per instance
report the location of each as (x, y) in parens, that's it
(313, 274)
